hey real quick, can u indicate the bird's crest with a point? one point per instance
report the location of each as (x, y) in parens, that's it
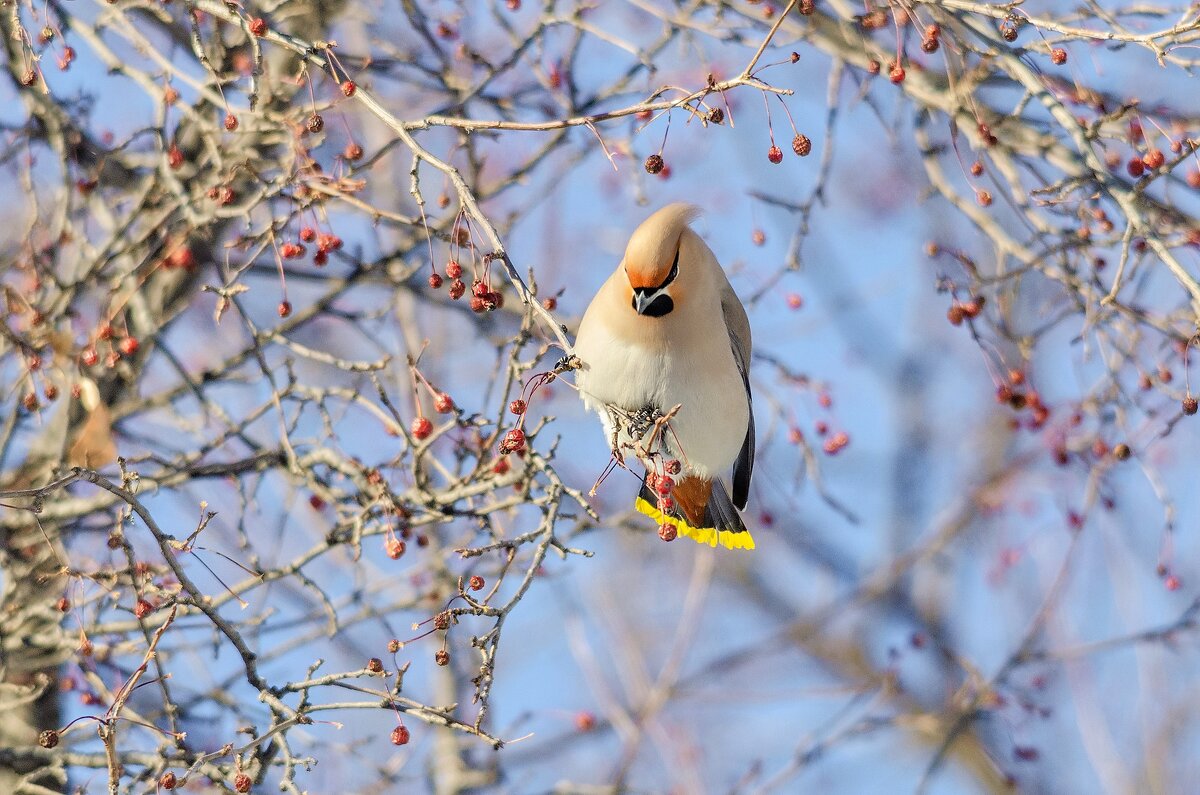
(653, 246)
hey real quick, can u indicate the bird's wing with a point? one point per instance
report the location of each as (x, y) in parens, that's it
(739, 339)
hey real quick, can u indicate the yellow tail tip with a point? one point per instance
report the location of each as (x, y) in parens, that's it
(701, 535)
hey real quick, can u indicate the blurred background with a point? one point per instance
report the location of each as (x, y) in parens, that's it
(258, 532)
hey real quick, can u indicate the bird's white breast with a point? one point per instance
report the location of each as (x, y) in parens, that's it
(696, 371)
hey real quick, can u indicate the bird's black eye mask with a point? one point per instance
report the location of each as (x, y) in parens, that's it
(653, 301)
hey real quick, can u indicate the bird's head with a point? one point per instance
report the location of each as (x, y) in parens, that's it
(658, 260)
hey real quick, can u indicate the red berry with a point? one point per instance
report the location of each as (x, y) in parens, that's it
(453, 269)
(435, 281)
(673, 467)
(443, 403)
(231, 122)
(285, 308)
(142, 608)
(836, 442)
(457, 288)
(242, 783)
(476, 583)
(1058, 56)
(983, 198)
(585, 721)
(174, 157)
(667, 531)
(167, 780)
(896, 74)
(320, 258)
(308, 234)
(258, 26)
(129, 346)
(352, 151)
(513, 442)
(89, 356)
(664, 485)
(421, 428)
(775, 154)
(1135, 166)
(394, 548)
(1172, 583)
(348, 88)
(1154, 159)
(517, 407)
(400, 735)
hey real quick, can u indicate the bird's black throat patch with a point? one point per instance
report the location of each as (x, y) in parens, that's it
(661, 305)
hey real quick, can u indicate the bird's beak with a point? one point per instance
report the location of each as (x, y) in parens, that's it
(642, 298)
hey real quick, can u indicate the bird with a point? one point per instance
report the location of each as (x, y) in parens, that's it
(666, 330)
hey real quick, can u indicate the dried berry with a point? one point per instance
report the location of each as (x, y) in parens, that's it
(441, 657)
(242, 783)
(716, 116)
(142, 608)
(457, 288)
(1190, 405)
(517, 407)
(352, 151)
(315, 123)
(667, 531)
(896, 74)
(1058, 56)
(258, 26)
(48, 738)
(513, 442)
(435, 281)
(421, 428)
(231, 122)
(801, 145)
(375, 665)
(167, 780)
(654, 164)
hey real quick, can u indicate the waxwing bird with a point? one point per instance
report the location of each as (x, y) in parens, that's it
(666, 330)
